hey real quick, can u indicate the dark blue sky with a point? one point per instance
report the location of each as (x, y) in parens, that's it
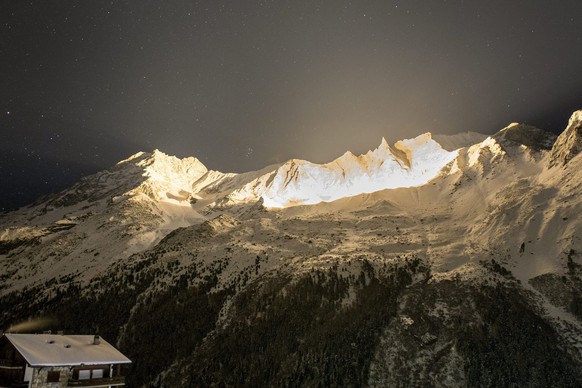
(244, 84)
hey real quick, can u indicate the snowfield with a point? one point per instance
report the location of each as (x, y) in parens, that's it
(427, 213)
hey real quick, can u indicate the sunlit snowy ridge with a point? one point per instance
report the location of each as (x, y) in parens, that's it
(411, 162)
(440, 229)
(139, 201)
(407, 163)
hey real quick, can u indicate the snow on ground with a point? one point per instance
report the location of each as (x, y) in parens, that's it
(476, 203)
(407, 163)
(483, 210)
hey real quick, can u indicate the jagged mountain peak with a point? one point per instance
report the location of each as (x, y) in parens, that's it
(384, 143)
(170, 166)
(169, 178)
(526, 134)
(138, 156)
(485, 245)
(569, 143)
(406, 163)
(410, 162)
(163, 161)
(143, 158)
(416, 141)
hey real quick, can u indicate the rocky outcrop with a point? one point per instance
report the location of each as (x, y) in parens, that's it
(527, 135)
(569, 143)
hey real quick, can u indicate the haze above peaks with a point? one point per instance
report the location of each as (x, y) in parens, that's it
(405, 163)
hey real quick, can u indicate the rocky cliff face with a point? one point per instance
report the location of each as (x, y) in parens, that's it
(527, 135)
(569, 143)
(470, 278)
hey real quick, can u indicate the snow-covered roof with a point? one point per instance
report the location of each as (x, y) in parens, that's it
(65, 350)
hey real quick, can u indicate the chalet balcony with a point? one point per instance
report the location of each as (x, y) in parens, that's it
(104, 382)
(11, 373)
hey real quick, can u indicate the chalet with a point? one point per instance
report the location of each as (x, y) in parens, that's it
(58, 360)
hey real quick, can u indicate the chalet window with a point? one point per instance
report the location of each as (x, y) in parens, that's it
(97, 373)
(53, 377)
(84, 374)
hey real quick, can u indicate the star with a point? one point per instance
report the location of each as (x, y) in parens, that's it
(249, 152)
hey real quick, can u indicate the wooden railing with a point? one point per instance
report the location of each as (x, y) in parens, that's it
(117, 380)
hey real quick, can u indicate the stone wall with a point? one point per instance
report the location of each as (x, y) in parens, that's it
(39, 377)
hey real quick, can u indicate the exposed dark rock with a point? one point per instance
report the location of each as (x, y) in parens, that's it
(527, 135)
(569, 143)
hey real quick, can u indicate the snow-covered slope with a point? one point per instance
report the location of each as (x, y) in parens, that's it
(407, 258)
(136, 203)
(411, 162)
(103, 218)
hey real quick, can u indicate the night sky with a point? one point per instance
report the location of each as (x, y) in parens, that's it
(243, 84)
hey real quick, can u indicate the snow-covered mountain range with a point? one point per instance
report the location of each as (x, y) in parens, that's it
(465, 214)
